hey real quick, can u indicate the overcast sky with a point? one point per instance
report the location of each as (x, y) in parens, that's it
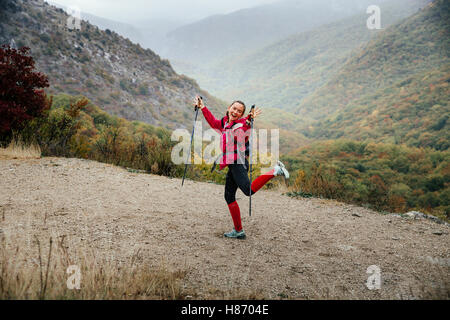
(132, 10)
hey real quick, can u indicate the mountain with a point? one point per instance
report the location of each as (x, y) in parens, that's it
(124, 29)
(396, 88)
(282, 74)
(154, 32)
(116, 74)
(149, 33)
(230, 35)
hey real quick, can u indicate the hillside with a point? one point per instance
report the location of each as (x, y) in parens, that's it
(123, 78)
(103, 218)
(414, 112)
(124, 29)
(416, 45)
(383, 176)
(283, 73)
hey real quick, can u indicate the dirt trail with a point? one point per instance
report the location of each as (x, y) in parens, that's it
(296, 248)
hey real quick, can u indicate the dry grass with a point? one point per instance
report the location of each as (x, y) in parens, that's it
(44, 275)
(17, 149)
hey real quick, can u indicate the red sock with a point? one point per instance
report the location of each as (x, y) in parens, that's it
(236, 215)
(259, 182)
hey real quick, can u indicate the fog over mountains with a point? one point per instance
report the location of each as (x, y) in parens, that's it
(177, 38)
(249, 29)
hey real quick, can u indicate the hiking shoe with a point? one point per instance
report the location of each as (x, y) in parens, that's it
(280, 170)
(235, 234)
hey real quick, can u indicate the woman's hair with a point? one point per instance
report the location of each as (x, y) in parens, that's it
(237, 101)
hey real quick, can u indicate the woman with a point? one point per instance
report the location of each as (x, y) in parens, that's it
(234, 130)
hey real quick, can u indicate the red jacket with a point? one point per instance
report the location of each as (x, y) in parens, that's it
(234, 136)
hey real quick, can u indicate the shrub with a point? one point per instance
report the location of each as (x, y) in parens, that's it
(389, 178)
(435, 183)
(143, 89)
(124, 85)
(44, 37)
(22, 97)
(54, 130)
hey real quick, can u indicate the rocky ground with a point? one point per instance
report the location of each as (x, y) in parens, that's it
(296, 248)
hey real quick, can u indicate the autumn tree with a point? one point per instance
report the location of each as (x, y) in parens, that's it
(22, 97)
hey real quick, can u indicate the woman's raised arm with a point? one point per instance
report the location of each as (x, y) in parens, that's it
(212, 121)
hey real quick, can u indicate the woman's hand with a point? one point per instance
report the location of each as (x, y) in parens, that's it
(254, 113)
(199, 102)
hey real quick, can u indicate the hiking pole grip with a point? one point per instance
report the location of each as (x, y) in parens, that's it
(190, 146)
(251, 157)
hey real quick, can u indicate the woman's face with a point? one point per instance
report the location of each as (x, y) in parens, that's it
(235, 111)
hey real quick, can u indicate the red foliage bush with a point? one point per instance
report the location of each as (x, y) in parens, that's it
(21, 95)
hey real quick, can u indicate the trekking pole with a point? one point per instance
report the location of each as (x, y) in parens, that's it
(251, 156)
(190, 146)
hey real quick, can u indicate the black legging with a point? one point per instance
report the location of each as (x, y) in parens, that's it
(237, 176)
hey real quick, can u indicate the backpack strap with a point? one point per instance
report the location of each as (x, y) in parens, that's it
(247, 145)
(236, 126)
